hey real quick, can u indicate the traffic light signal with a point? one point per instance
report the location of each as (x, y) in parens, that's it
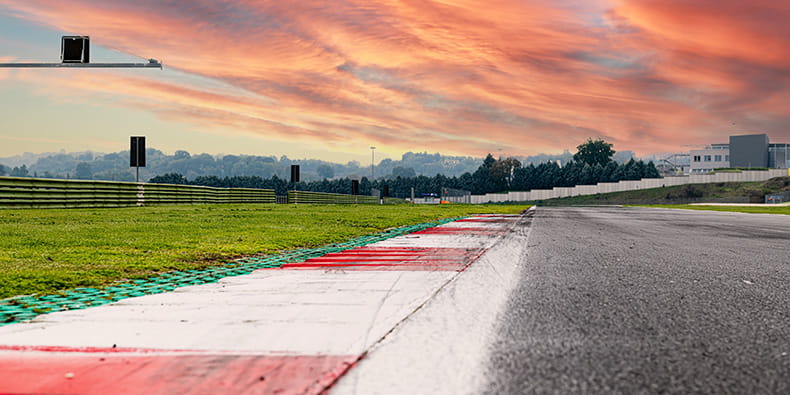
(137, 152)
(75, 49)
(294, 173)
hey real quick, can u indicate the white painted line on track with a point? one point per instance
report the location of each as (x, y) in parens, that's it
(442, 348)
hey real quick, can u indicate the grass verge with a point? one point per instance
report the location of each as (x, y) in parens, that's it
(738, 209)
(48, 250)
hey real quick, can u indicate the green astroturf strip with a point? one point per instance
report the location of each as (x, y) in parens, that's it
(24, 308)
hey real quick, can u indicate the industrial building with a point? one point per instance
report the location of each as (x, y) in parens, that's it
(744, 151)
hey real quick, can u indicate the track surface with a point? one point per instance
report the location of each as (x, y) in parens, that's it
(636, 300)
(582, 300)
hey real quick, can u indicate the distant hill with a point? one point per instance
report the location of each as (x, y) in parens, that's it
(115, 166)
(29, 158)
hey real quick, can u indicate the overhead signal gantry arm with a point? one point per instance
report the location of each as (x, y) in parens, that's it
(75, 53)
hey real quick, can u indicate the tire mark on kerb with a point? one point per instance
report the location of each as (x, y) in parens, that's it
(380, 305)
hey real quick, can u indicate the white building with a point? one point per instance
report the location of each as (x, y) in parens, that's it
(711, 157)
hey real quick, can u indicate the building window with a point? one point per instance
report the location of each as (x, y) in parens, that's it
(696, 158)
(707, 158)
(717, 158)
(727, 158)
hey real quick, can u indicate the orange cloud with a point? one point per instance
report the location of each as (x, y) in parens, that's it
(526, 76)
(753, 31)
(725, 57)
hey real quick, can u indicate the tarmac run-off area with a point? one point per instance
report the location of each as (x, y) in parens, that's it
(407, 314)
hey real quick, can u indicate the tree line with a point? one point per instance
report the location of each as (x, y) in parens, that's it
(115, 166)
(590, 165)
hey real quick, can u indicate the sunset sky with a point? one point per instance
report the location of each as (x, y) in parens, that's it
(329, 79)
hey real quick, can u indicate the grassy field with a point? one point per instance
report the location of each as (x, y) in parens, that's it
(47, 250)
(739, 209)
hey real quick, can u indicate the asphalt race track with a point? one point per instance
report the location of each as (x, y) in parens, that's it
(640, 300)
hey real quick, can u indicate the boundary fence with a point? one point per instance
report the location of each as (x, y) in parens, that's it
(456, 195)
(645, 183)
(777, 198)
(306, 197)
(18, 192)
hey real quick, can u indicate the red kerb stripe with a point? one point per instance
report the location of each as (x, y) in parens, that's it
(388, 259)
(117, 373)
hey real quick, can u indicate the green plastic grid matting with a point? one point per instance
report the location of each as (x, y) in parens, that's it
(24, 308)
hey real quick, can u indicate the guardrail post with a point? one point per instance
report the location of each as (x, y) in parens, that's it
(140, 195)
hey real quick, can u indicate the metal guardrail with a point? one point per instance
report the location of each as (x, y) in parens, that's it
(305, 197)
(392, 200)
(16, 192)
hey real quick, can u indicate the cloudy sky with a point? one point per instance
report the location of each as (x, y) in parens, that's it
(329, 79)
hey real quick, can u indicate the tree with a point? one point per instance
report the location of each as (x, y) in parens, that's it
(83, 171)
(403, 172)
(325, 171)
(651, 171)
(169, 178)
(489, 161)
(568, 175)
(115, 175)
(597, 152)
(548, 174)
(501, 171)
(523, 178)
(3, 170)
(590, 175)
(608, 173)
(632, 170)
(20, 171)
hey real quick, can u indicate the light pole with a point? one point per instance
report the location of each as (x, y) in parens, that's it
(372, 156)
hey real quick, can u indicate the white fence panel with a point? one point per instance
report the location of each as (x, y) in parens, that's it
(608, 187)
(586, 190)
